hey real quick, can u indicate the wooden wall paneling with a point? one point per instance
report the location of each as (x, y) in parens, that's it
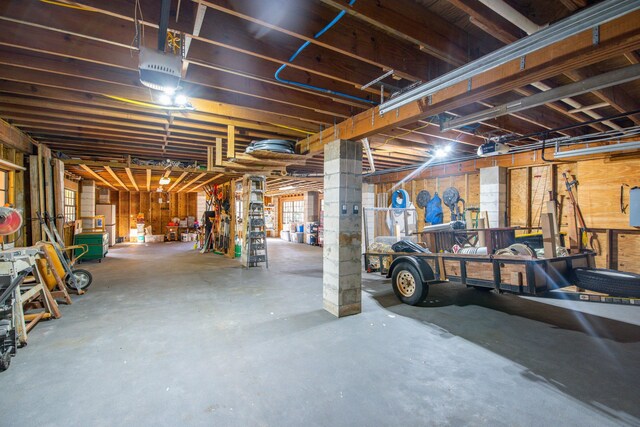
(192, 204)
(473, 190)
(145, 206)
(541, 184)
(562, 196)
(599, 190)
(134, 208)
(629, 252)
(173, 205)
(155, 217)
(518, 203)
(19, 196)
(48, 184)
(58, 192)
(34, 170)
(182, 205)
(599, 242)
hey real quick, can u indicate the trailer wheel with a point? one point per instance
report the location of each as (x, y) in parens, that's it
(407, 284)
(612, 282)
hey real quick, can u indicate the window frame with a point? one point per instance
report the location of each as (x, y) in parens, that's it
(67, 207)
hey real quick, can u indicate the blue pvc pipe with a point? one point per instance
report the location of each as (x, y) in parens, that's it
(316, 88)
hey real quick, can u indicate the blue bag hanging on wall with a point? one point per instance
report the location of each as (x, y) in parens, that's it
(433, 211)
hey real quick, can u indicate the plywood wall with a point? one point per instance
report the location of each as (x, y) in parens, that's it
(129, 204)
(468, 185)
(599, 190)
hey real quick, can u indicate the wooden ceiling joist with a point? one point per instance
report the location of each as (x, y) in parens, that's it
(131, 178)
(96, 176)
(188, 184)
(617, 37)
(116, 177)
(178, 180)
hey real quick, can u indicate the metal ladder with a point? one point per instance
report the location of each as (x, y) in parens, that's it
(256, 232)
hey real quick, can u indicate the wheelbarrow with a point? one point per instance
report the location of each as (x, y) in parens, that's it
(76, 279)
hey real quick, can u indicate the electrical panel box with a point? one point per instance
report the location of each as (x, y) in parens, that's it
(634, 207)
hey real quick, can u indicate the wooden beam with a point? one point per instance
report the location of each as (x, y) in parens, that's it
(410, 22)
(231, 141)
(191, 182)
(128, 166)
(148, 179)
(180, 178)
(131, 178)
(218, 160)
(210, 158)
(489, 21)
(220, 175)
(96, 176)
(36, 230)
(614, 95)
(217, 112)
(118, 180)
(352, 38)
(617, 36)
(15, 138)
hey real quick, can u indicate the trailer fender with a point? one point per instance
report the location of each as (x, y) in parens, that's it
(424, 269)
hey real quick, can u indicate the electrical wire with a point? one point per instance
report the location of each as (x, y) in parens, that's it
(317, 88)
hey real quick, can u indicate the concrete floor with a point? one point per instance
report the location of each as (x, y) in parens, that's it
(166, 336)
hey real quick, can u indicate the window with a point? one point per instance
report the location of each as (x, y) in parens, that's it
(293, 211)
(69, 205)
(4, 179)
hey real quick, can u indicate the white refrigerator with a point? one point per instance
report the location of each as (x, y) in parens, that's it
(109, 212)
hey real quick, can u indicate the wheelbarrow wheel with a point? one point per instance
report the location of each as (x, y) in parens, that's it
(83, 279)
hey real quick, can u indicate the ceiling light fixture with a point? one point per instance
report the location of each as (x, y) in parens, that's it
(181, 99)
(165, 180)
(288, 187)
(164, 99)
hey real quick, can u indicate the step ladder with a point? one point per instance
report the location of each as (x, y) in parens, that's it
(256, 234)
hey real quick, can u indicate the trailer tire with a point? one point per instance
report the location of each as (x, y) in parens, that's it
(482, 288)
(407, 284)
(611, 282)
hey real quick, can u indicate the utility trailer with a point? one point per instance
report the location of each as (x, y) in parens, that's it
(413, 274)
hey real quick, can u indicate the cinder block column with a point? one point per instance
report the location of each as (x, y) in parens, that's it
(342, 272)
(493, 194)
(87, 201)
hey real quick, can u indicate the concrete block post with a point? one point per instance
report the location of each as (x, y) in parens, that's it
(342, 271)
(493, 194)
(87, 202)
